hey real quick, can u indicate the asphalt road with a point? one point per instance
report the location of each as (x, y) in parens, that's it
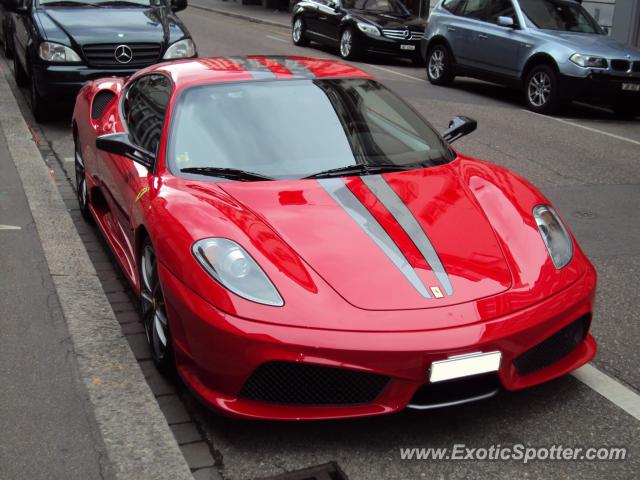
(588, 163)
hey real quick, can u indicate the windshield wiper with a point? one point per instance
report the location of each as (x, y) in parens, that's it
(70, 3)
(363, 169)
(231, 173)
(122, 3)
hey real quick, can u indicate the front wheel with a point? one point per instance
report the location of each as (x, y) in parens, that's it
(154, 312)
(298, 33)
(348, 47)
(541, 93)
(82, 191)
(440, 65)
(39, 105)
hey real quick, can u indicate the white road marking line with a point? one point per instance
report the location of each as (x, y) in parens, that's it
(395, 73)
(590, 129)
(69, 159)
(279, 39)
(9, 227)
(615, 392)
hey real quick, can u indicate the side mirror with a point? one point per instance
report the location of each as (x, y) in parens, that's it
(335, 6)
(121, 144)
(178, 5)
(16, 6)
(458, 128)
(506, 22)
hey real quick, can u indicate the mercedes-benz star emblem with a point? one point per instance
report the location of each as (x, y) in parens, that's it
(406, 34)
(123, 54)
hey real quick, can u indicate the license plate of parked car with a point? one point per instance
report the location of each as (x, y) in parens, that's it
(631, 87)
(407, 47)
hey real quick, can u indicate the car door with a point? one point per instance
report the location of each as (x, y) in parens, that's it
(498, 46)
(464, 31)
(330, 14)
(144, 109)
(23, 32)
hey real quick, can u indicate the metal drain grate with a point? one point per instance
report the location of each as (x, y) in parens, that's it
(328, 471)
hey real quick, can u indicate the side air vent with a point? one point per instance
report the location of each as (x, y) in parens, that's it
(100, 102)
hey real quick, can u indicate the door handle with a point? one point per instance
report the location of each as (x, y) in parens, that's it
(483, 36)
(451, 29)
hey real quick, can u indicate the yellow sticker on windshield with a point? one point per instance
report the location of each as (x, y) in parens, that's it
(183, 158)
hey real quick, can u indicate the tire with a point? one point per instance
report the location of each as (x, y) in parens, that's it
(39, 105)
(626, 110)
(18, 72)
(298, 29)
(541, 90)
(440, 65)
(82, 191)
(154, 313)
(348, 46)
(6, 45)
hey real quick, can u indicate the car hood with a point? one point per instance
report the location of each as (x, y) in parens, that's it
(389, 20)
(331, 225)
(110, 25)
(592, 44)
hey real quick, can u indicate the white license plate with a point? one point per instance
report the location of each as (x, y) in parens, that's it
(464, 366)
(407, 47)
(631, 87)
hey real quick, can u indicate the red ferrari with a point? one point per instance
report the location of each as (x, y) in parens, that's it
(306, 246)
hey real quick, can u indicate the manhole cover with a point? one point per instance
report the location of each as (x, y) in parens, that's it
(328, 471)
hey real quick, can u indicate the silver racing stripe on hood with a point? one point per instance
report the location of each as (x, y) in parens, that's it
(396, 207)
(336, 188)
(254, 67)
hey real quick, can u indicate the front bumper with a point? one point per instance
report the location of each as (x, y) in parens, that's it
(388, 46)
(216, 353)
(600, 86)
(64, 81)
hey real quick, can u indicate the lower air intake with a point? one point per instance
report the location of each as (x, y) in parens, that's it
(293, 383)
(554, 348)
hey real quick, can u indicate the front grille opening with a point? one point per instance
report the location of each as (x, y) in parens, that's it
(100, 102)
(636, 67)
(104, 54)
(328, 471)
(293, 383)
(457, 391)
(554, 348)
(620, 65)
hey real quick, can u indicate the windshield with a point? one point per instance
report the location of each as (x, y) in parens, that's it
(95, 3)
(378, 6)
(297, 128)
(559, 15)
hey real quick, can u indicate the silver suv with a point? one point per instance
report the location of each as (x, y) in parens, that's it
(551, 49)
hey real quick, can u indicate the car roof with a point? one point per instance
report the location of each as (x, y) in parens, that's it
(252, 68)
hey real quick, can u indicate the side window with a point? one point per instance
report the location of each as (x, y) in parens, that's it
(453, 6)
(145, 108)
(475, 9)
(500, 8)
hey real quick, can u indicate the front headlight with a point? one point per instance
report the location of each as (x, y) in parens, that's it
(229, 264)
(55, 52)
(554, 234)
(587, 61)
(369, 29)
(184, 48)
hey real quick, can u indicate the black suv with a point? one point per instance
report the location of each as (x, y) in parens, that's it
(359, 26)
(60, 44)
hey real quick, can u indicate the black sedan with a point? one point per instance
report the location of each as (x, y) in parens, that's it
(359, 26)
(59, 45)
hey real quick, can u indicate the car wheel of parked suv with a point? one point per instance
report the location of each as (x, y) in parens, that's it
(298, 33)
(439, 65)
(348, 47)
(38, 103)
(541, 90)
(18, 72)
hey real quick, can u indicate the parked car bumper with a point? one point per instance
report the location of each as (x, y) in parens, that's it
(599, 86)
(388, 46)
